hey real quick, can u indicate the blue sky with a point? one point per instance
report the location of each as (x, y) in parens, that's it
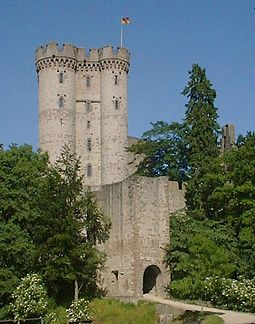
(165, 38)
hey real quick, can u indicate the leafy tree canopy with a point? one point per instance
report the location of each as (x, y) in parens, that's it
(164, 151)
(68, 227)
(48, 223)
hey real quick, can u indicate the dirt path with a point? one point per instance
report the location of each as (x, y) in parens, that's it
(229, 317)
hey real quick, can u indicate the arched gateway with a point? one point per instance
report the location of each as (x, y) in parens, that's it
(151, 279)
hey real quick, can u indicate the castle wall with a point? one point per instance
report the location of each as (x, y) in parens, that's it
(139, 209)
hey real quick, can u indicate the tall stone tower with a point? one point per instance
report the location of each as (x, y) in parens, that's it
(83, 103)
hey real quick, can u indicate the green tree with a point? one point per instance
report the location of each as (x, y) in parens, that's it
(202, 131)
(222, 243)
(163, 151)
(21, 170)
(227, 193)
(198, 249)
(202, 128)
(67, 230)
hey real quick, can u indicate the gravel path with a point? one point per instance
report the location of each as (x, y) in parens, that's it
(229, 317)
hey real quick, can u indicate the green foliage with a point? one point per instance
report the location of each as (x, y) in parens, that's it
(226, 194)
(56, 315)
(200, 118)
(21, 171)
(48, 224)
(67, 230)
(196, 250)
(30, 298)
(178, 150)
(16, 258)
(115, 312)
(164, 151)
(217, 236)
(229, 293)
(79, 311)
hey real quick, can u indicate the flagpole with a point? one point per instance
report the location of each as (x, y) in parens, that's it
(121, 34)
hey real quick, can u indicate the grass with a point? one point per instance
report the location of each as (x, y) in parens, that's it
(108, 311)
(198, 318)
(212, 319)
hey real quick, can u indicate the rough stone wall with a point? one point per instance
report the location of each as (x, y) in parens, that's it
(88, 123)
(228, 137)
(139, 209)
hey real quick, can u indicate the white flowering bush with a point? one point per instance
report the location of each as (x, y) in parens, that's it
(79, 311)
(30, 298)
(230, 293)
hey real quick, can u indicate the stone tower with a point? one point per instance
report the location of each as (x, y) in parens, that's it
(83, 103)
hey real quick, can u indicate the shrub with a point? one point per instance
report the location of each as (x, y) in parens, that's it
(30, 298)
(230, 293)
(79, 311)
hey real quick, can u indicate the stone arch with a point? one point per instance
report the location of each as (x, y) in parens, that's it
(151, 279)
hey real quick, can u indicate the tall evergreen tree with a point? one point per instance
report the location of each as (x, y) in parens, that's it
(202, 128)
(201, 136)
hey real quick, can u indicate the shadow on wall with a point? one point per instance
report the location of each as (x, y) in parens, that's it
(150, 279)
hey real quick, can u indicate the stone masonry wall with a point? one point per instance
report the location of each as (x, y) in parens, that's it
(139, 209)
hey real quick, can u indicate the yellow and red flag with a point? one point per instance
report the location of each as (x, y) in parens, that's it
(125, 21)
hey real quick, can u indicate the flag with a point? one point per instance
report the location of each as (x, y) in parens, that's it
(125, 21)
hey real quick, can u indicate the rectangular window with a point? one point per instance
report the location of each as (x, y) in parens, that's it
(88, 124)
(115, 79)
(88, 81)
(89, 144)
(88, 106)
(117, 104)
(61, 77)
(61, 102)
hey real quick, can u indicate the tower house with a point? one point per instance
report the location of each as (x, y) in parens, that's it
(83, 103)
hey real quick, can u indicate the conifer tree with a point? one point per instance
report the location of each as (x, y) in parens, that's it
(202, 131)
(202, 128)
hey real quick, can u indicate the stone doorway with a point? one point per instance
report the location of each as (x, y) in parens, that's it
(150, 279)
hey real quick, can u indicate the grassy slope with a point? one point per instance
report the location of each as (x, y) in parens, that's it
(116, 312)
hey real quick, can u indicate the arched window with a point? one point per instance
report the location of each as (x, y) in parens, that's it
(89, 170)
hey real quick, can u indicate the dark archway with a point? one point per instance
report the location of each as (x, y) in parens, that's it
(150, 278)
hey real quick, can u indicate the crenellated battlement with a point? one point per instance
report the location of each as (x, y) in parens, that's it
(71, 56)
(52, 50)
